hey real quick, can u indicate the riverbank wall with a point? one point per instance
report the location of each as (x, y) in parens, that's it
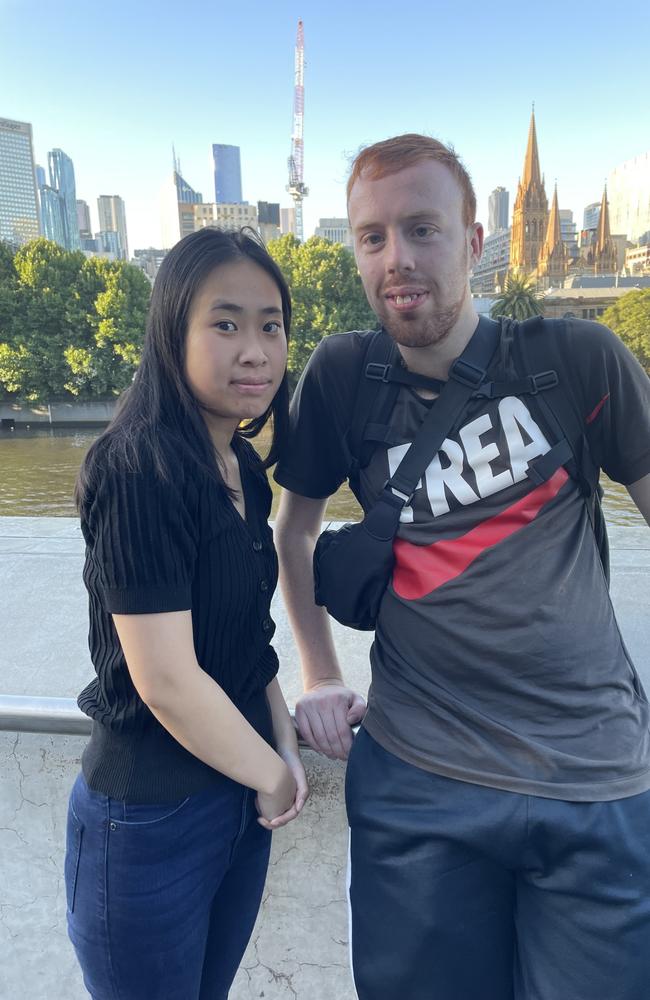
(299, 948)
(58, 414)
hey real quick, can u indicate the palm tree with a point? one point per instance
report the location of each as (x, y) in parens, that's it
(518, 300)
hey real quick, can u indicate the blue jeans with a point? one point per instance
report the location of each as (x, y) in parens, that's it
(162, 899)
(461, 892)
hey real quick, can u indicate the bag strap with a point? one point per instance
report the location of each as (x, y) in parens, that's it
(382, 376)
(561, 414)
(379, 349)
(466, 375)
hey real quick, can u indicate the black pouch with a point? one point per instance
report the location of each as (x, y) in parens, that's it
(352, 565)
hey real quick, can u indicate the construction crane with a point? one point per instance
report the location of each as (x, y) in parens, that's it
(296, 186)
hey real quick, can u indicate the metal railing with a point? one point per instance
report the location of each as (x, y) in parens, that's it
(21, 714)
(59, 716)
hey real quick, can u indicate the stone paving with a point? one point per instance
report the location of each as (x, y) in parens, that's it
(299, 947)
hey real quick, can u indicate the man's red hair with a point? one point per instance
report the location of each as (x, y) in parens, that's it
(392, 155)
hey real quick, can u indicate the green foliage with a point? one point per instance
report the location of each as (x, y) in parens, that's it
(629, 318)
(68, 326)
(326, 293)
(518, 300)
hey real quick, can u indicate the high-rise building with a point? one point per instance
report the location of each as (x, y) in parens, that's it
(498, 210)
(227, 173)
(335, 230)
(53, 225)
(112, 218)
(288, 221)
(268, 219)
(109, 244)
(628, 187)
(591, 215)
(62, 181)
(530, 214)
(569, 232)
(83, 220)
(185, 194)
(19, 216)
(226, 216)
(490, 273)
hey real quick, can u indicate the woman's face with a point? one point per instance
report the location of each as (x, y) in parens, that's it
(236, 346)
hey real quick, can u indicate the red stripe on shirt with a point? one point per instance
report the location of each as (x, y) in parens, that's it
(596, 410)
(421, 569)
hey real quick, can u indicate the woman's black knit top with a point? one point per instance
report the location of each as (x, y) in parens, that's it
(155, 545)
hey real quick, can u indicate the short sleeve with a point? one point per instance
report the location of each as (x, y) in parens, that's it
(143, 540)
(616, 402)
(316, 460)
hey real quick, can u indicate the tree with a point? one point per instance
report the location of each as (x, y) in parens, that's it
(518, 300)
(629, 318)
(68, 326)
(326, 292)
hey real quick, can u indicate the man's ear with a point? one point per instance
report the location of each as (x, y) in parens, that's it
(475, 235)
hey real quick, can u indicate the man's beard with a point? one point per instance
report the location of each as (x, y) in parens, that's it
(435, 327)
(424, 333)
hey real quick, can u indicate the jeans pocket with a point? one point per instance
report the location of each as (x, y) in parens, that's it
(74, 837)
(136, 814)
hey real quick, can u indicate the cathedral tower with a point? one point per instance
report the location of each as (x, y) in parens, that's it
(530, 214)
(603, 253)
(552, 264)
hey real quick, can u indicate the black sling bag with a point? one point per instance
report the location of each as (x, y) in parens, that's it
(352, 566)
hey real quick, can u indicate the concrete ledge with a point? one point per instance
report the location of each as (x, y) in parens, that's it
(299, 947)
(59, 414)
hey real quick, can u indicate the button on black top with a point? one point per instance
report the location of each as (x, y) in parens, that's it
(267, 624)
(264, 585)
(257, 545)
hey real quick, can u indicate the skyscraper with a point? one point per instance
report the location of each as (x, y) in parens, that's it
(83, 220)
(227, 173)
(52, 221)
(498, 210)
(112, 218)
(19, 220)
(62, 181)
(629, 197)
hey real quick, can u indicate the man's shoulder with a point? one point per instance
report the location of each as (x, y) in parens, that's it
(578, 343)
(343, 346)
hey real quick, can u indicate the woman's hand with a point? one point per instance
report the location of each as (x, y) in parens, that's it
(267, 805)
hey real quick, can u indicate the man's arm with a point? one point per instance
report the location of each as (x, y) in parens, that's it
(640, 493)
(328, 708)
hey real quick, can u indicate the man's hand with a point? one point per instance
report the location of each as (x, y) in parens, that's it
(325, 715)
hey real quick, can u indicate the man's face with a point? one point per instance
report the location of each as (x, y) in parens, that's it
(414, 251)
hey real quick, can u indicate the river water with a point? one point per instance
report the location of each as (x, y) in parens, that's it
(38, 469)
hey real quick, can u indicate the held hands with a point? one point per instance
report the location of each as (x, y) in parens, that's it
(284, 804)
(325, 715)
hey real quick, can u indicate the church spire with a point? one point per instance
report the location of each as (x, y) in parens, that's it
(553, 231)
(604, 234)
(532, 174)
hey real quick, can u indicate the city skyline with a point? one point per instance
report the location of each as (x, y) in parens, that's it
(360, 86)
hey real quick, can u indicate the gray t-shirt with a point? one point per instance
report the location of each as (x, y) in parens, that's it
(497, 657)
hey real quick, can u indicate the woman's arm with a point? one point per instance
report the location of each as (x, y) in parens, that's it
(159, 651)
(286, 743)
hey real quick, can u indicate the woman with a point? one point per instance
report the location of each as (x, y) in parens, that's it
(193, 758)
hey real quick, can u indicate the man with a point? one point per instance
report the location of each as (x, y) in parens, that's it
(497, 791)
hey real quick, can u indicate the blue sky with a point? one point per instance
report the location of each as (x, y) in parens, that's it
(116, 84)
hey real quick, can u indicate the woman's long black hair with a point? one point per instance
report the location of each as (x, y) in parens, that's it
(159, 407)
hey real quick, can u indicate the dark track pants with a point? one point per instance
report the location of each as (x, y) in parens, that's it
(461, 892)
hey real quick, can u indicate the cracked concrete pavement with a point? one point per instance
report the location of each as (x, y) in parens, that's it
(299, 947)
